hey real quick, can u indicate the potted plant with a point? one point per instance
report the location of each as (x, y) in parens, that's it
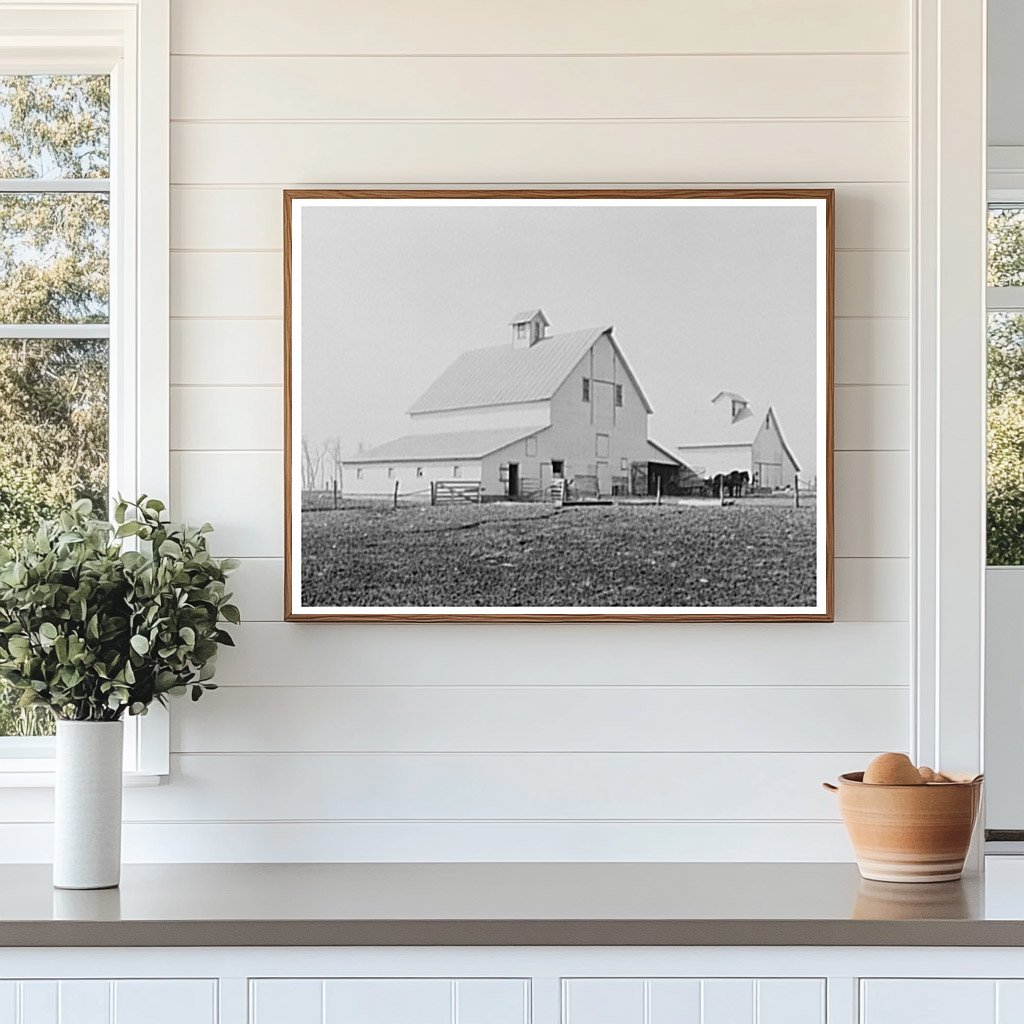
(93, 630)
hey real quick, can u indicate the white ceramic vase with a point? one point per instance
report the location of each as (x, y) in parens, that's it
(87, 807)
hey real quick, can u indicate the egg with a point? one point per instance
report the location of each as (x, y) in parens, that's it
(893, 770)
(929, 774)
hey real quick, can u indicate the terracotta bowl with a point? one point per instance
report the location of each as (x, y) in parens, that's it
(909, 833)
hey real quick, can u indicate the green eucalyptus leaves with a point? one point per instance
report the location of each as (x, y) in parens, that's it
(92, 630)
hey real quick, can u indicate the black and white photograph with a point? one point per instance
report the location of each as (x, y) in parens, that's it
(525, 405)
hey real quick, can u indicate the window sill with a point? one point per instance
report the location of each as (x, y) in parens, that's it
(43, 778)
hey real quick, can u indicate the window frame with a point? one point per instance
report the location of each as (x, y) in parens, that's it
(130, 41)
(586, 389)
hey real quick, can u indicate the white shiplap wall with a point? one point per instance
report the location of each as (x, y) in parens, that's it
(689, 741)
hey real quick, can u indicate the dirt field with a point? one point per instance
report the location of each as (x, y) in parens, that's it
(532, 554)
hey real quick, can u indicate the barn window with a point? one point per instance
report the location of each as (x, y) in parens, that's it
(557, 467)
(419, 472)
(531, 446)
(601, 446)
(456, 471)
(618, 395)
(586, 389)
(623, 463)
(359, 473)
(391, 472)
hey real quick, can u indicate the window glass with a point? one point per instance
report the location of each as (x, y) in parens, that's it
(54, 276)
(586, 389)
(1006, 246)
(1005, 484)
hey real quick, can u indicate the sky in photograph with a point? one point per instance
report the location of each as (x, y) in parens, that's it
(702, 300)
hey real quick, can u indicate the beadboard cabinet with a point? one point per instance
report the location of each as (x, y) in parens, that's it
(513, 985)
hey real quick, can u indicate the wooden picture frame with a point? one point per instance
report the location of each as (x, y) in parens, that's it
(496, 486)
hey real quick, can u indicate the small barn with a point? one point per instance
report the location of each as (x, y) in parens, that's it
(542, 408)
(731, 437)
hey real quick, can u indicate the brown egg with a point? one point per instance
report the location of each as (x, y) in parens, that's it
(892, 770)
(929, 774)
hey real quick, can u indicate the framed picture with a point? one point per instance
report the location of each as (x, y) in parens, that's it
(558, 405)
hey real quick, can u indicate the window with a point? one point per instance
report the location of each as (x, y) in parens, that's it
(586, 389)
(54, 291)
(618, 395)
(601, 446)
(419, 472)
(1005, 477)
(83, 410)
(531, 446)
(456, 471)
(359, 473)
(391, 472)
(623, 463)
(521, 330)
(557, 467)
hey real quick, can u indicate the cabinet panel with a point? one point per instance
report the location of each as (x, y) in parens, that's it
(693, 1001)
(788, 1001)
(388, 1001)
(285, 1001)
(165, 1002)
(84, 1002)
(492, 1002)
(603, 1001)
(935, 1001)
(674, 1001)
(727, 1001)
(8, 1002)
(38, 1003)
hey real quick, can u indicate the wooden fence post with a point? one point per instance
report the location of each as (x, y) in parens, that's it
(335, 492)
(796, 492)
(659, 490)
(396, 495)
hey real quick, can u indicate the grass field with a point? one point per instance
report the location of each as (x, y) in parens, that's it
(497, 555)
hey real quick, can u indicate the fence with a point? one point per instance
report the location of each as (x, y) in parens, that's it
(452, 492)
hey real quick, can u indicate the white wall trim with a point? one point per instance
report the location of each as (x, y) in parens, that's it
(949, 446)
(131, 41)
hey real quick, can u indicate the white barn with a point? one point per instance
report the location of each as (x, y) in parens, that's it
(729, 437)
(518, 417)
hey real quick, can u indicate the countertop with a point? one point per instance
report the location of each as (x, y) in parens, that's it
(560, 904)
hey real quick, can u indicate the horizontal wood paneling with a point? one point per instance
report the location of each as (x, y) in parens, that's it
(871, 516)
(233, 284)
(227, 352)
(606, 786)
(867, 589)
(534, 26)
(463, 718)
(872, 589)
(754, 654)
(872, 351)
(216, 418)
(739, 92)
(326, 841)
(869, 350)
(240, 492)
(211, 418)
(538, 88)
(872, 504)
(868, 216)
(581, 151)
(872, 418)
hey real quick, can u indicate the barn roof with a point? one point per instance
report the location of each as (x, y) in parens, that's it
(661, 454)
(505, 375)
(463, 444)
(527, 315)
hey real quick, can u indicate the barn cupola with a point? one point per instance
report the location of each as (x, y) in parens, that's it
(528, 328)
(739, 407)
